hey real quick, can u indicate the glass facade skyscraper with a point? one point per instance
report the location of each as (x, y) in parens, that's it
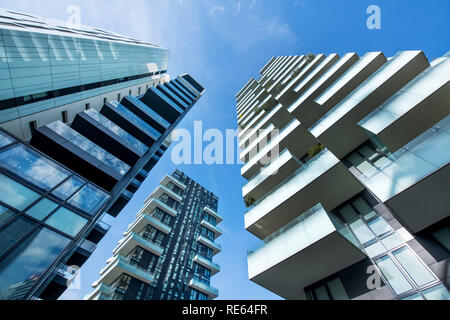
(59, 182)
(50, 72)
(167, 252)
(347, 166)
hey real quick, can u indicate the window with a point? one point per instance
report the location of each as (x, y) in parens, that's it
(89, 199)
(14, 232)
(105, 100)
(32, 166)
(42, 209)
(68, 188)
(65, 117)
(393, 275)
(15, 194)
(32, 125)
(66, 221)
(443, 237)
(5, 139)
(5, 214)
(23, 266)
(88, 106)
(413, 266)
(118, 97)
(139, 90)
(332, 290)
(129, 92)
(437, 293)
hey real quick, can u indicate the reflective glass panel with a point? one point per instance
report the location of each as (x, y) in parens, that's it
(437, 293)
(5, 139)
(393, 275)
(392, 241)
(5, 214)
(416, 296)
(68, 188)
(67, 221)
(14, 232)
(443, 236)
(42, 209)
(380, 226)
(24, 266)
(89, 199)
(33, 167)
(15, 194)
(416, 269)
(337, 290)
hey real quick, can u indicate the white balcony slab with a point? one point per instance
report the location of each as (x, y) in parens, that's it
(133, 240)
(214, 267)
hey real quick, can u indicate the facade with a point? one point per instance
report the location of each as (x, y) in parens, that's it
(346, 162)
(56, 188)
(167, 252)
(50, 72)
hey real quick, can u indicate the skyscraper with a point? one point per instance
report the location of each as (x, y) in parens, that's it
(347, 166)
(50, 72)
(56, 188)
(167, 252)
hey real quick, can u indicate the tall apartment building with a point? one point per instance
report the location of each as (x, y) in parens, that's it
(348, 179)
(50, 72)
(167, 252)
(56, 188)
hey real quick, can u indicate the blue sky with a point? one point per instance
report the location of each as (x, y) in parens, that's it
(222, 44)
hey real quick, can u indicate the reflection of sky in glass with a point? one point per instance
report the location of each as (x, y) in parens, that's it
(89, 198)
(66, 221)
(116, 129)
(15, 194)
(138, 103)
(33, 167)
(42, 209)
(5, 139)
(88, 146)
(5, 214)
(31, 258)
(141, 124)
(68, 188)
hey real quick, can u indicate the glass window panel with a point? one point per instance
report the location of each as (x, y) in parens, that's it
(364, 208)
(375, 250)
(416, 269)
(33, 167)
(393, 275)
(42, 209)
(443, 236)
(68, 188)
(362, 232)
(337, 290)
(67, 221)
(392, 241)
(380, 226)
(27, 262)
(416, 296)
(14, 232)
(321, 293)
(368, 152)
(89, 199)
(5, 139)
(15, 194)
(5, 214)
(437, 293)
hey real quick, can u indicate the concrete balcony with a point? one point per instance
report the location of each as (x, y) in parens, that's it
(280, 72)
(278, 116)
(351, 79)
(145, 219)
(342, 120)
(323, 179)
(169, 178)
(292, 66)
(293, 137)
(119, 265)
(210, 244)
(152, 203)
(414, 184)
(160, 190)
(426, 98)
(213, 213)
(262, 138)
(214, 267)
(133, 240)
(310, 248)
(271, 175)
(217, 231)
(305, 109)
(205, 288)
(288, 95)
(101, 292)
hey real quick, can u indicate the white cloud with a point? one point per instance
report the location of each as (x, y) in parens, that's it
(218, 9)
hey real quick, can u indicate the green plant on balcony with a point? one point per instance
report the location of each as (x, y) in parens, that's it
(249, 201)
(310, 57)
(315, 150)
(277, 89)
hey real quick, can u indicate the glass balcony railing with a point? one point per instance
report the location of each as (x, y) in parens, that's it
(418, 159)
